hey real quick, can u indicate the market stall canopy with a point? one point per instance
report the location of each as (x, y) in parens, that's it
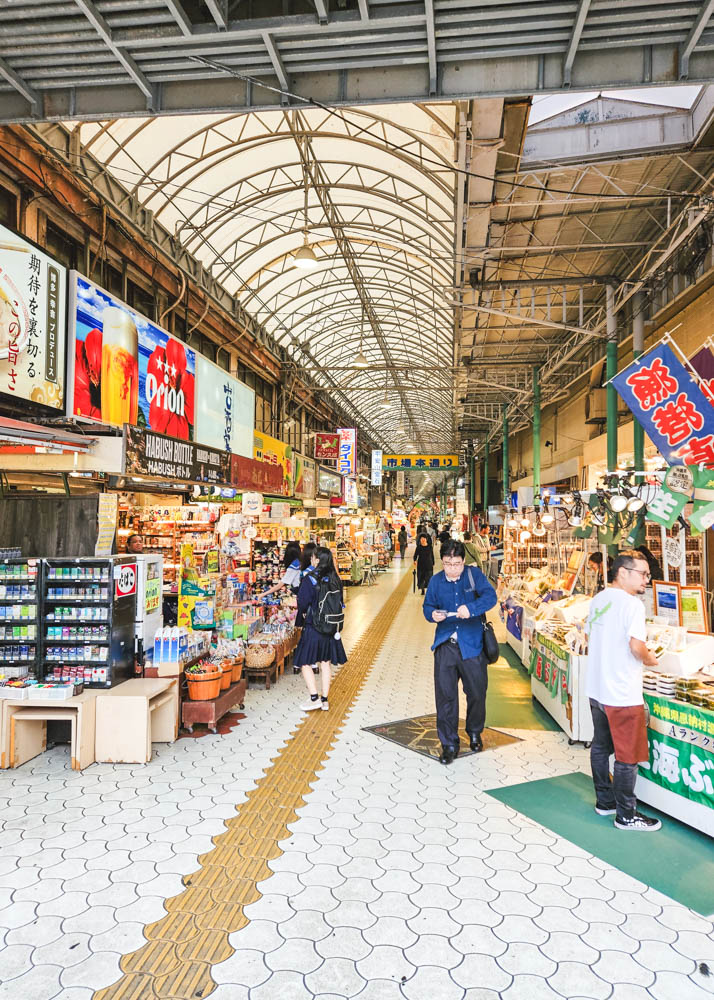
(20, 433)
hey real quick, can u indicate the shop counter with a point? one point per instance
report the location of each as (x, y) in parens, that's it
(558, 684)
(23, 731)
(678, 779)
(133, 715)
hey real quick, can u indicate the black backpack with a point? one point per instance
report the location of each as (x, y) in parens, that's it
(328, 615)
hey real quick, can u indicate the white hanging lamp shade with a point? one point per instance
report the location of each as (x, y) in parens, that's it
(305, 256)
(360, 361)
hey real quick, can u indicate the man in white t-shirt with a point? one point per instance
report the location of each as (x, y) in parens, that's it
(616, 654)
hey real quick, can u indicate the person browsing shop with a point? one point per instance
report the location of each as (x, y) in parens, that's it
(616, 654)
(291, 571)
(455, 599)
(135, 545)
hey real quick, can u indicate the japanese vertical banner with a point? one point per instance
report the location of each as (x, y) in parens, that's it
(681, 741)
(670, 405)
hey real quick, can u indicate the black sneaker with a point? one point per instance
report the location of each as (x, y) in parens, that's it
(643, 824)
(605, 810)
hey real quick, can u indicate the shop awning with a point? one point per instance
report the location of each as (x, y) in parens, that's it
(19, 433)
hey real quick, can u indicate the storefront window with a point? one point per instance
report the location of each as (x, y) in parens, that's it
(8, 208)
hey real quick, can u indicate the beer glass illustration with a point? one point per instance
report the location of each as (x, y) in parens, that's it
(120, 368)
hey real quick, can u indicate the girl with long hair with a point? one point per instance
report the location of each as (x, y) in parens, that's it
(315, 648)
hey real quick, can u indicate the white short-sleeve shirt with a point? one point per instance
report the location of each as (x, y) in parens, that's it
(614, 675)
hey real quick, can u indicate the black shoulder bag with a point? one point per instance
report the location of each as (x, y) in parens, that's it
(491, 648)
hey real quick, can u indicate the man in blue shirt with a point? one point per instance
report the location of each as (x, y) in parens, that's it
(455, 599)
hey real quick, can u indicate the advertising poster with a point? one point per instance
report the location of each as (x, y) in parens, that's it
(124, 369)
(247, 474)
(305, 477)
(107, 523)
(150, 454)
(274, 452)
(350, 492)
(347, 461)
(681, 744)
(33, 311)
(327, 446)
(225, 410)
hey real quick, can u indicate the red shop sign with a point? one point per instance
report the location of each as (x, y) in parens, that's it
(260, 477)
(327, 446)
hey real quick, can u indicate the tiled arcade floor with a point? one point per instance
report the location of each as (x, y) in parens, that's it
(400, 878)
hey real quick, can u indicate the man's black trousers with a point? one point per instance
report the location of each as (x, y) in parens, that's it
(449, 666)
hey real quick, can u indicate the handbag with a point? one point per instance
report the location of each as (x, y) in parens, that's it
(490, 642)
(491, 648)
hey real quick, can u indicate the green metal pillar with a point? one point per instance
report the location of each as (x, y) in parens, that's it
(506, 483)
(472, 490)
(485, 479)
(638, 346)
(611, 369)
(536, 438)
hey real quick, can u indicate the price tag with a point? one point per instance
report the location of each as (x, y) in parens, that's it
(124, 581)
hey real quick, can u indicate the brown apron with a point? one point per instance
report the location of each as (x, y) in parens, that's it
(628, 729)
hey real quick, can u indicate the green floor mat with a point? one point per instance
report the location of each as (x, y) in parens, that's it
(676, 860)
(509, 702)
(512, 658)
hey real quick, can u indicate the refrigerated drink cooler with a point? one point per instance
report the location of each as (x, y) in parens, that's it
(149, 604)
(88, 616)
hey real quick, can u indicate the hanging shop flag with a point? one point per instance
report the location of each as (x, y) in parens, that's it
(420, 461)
(671, 407)
(124, 369)
(681, 743)
(269, 449)
(347, 460)
(376, 467)
(149, 454)
(327, 447)
(400, 483)
(703, 364)
(225, 409)
(672, 497)
(33, 290)
(702, 516)
(350, 492)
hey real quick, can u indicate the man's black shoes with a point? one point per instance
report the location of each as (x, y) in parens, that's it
(476, 743)
(448, 754)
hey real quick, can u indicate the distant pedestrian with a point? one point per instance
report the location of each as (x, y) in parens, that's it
(456, 599)
(444, 535)
(424, 561)
(473, 552)
(402, 539)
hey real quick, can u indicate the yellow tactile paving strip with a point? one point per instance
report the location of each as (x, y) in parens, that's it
(181, 947)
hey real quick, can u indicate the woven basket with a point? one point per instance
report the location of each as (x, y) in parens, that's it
(259, 656)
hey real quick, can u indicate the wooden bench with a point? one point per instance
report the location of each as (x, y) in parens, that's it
(133, 715)
(23, 733)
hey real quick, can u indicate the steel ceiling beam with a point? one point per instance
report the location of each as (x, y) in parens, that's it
(180, 17)
(575, 34)
(695, 33)
(219, 12)
(128, 62)
(18, 84)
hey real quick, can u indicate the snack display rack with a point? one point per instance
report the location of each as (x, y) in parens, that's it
(88, 612)
(20, 583)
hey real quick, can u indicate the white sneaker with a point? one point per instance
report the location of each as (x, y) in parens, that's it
(325, 706)
(311, 705)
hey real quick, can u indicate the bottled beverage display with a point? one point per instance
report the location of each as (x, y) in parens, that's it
(120, 368)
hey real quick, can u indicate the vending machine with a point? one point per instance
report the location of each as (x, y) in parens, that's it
(149, 601)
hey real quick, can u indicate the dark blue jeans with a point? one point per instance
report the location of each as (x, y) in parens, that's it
(620, 792)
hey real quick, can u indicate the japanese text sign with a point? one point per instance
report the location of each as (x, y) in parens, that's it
(225, 409)
(681, 741)
(33, 305)
(327, 447)
(376, 467)
(420, 461)
(347, 460)
(670, 406)
(275, 452)
(149, 454)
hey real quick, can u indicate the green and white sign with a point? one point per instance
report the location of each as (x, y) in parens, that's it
(681, 741)
(550, 664)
